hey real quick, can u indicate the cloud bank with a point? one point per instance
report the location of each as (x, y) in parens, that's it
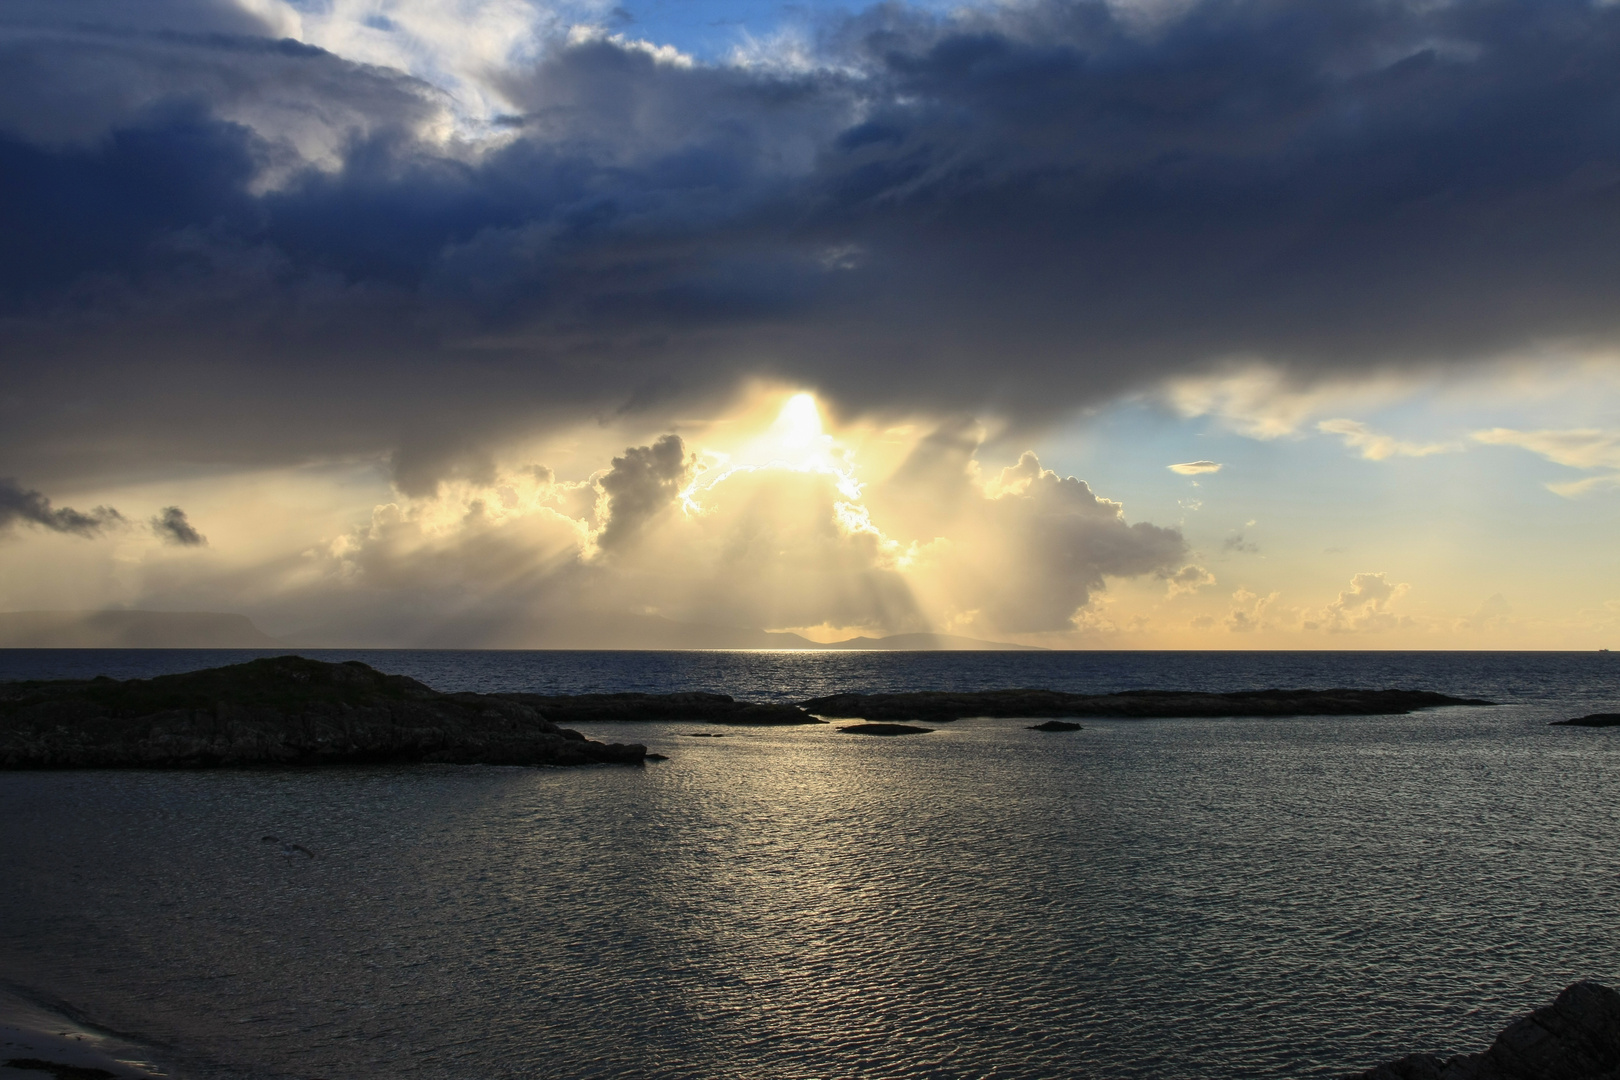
(222, 244)
(673, 536)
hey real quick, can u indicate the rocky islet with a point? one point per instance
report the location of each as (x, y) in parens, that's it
(281, 711)
(885, 729)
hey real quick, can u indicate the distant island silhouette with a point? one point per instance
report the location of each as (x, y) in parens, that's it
(131, 630)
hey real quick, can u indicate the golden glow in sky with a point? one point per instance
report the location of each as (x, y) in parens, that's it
(1228, 520)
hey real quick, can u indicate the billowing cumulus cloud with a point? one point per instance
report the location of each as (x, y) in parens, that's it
(1251, 612)
(640, 485)
(783, 531)
(1364, 607)
(1188, 579)
(19, 505)
(1024, 551)
(1012, 210)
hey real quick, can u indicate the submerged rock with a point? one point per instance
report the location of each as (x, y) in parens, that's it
(1055, 725)
(942, 707)
(1599, 719)
(1577, 1037)
(886, 729)
(281, 711)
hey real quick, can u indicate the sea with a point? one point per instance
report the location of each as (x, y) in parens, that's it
(1189, 898)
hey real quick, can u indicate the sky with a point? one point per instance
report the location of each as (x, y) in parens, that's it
(1205, 324)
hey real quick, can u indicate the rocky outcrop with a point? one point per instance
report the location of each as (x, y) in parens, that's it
(290, 710)
(1599, 719)
(885, 729)
(1577, 1037)
(936, 707)
(1055, 725)
(686, 708)
(281, 711)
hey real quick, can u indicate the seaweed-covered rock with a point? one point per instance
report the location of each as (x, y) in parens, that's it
(282, 711)
(1577, 1037)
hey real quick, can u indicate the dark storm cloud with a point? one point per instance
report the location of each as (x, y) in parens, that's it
(640, 486)
(173, 527)
(19, 505)
(1019, 210)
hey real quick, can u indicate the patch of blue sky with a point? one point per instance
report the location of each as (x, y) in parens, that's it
(711, 30)
(1303, 512)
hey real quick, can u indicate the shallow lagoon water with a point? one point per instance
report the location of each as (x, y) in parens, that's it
(1172, 898)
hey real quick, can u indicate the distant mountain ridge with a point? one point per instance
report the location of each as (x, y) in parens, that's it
(219, 630)
(926, 643)
(131, 630)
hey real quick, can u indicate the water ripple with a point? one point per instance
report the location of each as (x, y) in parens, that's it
(1229, 898)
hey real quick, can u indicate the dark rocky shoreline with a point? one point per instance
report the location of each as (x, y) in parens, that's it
(281, 711)
(1577, 1037)
(292, 711)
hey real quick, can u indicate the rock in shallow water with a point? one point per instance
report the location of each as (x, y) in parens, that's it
(1601, 719)
(281, 711)
(1577, 1037)
(1055, 725)
(885, 729)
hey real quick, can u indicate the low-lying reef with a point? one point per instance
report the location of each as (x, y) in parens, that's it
(293, 711)
(1577, 1037)
(281, 711)
(1597, 719)
(943, 707)
(685, 708)
(886, 729)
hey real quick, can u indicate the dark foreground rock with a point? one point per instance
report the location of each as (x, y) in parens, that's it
(281, 711)
(937, 707)
(1577, 1037)
(686, 708)
(1597, 719)
(1055, 725)
(885, 729)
